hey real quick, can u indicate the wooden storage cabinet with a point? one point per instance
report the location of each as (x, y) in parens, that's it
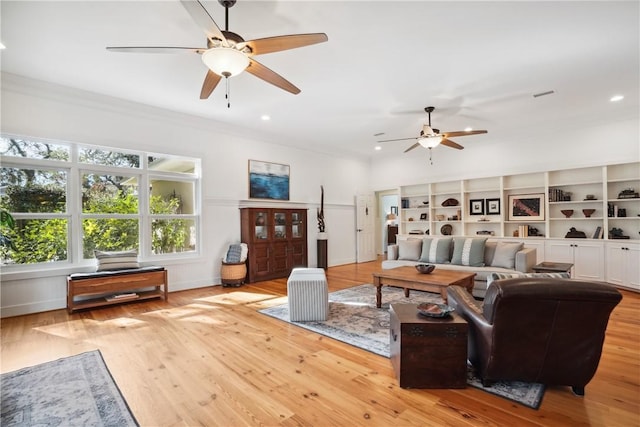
(276, 239)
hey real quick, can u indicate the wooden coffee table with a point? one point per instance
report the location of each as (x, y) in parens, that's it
(409, 278)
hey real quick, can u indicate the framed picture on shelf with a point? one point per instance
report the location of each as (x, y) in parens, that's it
(476, 206)
(423, 216)
(394, 210)
(526, 207)
(268, 180)
(493, 206)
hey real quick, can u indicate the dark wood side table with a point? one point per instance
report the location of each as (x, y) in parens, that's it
(553, 267)
(428, 352)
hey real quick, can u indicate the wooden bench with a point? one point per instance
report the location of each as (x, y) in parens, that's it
(113, 287)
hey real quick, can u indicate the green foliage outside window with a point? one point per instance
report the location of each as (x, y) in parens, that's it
(110, 207)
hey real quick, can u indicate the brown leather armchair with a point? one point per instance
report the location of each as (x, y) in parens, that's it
(542, 330)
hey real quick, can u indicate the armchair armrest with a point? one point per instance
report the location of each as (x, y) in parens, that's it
(392, 252)
(526, 259)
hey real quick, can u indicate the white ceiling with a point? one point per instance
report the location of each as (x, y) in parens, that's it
(478, 63)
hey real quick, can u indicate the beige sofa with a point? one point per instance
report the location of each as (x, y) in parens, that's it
(464, 254)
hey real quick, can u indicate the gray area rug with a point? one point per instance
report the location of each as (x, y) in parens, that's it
(74, 391)
(355, 320)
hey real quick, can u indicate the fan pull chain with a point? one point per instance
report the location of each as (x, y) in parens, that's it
(430, 158)
(228, 93)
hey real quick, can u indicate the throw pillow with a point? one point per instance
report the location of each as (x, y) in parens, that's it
(436, 250)
(119, 260)
(468, 251)
(489, 252)
(500, 276)
(409, 249)
(233, 254)
(505, 254)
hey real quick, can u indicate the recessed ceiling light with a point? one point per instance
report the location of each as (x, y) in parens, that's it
(378, 148)
(265, 117)
(617, 98)
(2, 46)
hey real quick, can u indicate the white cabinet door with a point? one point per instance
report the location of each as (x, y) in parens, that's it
(588, 261)
(587, 257)
(623, 264)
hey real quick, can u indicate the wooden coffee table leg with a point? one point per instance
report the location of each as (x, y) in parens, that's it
(443, 294)
(378, 285)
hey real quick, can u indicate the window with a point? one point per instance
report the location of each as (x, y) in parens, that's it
(68, 200)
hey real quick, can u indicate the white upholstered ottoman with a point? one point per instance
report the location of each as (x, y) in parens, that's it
(308, 295)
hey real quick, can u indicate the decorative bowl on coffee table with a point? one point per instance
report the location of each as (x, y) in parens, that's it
(425, 268)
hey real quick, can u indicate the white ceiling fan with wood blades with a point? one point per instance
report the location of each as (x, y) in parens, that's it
(227, 54)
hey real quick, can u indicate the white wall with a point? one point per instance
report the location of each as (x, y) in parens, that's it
(37, 109)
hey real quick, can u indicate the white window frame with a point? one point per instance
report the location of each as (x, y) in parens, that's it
(75, 216)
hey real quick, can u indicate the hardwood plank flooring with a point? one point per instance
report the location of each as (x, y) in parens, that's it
(208, 358)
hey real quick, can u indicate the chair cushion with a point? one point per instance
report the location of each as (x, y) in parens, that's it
(468, 251)
(436, 250)
(116, 260)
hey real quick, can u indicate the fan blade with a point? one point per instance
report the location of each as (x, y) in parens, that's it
(463, 133)
(209, 84)
(200, 15)
(450, 143)
(262, 72)
(159, 49)
(393, 140)
(278, 43)
(417, 144)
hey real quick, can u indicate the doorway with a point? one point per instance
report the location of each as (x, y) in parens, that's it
(388, 202)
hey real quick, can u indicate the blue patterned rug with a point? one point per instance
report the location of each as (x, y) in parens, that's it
(74, 391)
(355, 320)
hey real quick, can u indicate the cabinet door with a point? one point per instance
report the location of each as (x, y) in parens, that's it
(615, 264)
(260, 225)
(632, 266)
(588, 261)
(260, 261)
(558, 251)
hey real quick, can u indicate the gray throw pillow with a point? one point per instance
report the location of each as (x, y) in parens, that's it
(468, 251)
(120, 260)
(489, 252)
(409, 249)
(436, 250)
(505, 254)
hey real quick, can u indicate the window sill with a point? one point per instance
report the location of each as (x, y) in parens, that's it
(34, 272)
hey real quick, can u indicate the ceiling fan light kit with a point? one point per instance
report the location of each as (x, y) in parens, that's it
(227, 54)
(225, 61)
(431, 138)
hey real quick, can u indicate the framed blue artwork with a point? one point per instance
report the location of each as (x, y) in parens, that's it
(268, 180)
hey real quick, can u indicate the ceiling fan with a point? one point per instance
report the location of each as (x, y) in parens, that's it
(227, 54)
(431, 138)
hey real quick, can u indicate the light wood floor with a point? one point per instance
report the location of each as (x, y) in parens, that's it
(208, 358)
